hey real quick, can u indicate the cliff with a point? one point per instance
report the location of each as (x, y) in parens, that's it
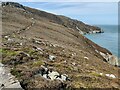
(47, 51)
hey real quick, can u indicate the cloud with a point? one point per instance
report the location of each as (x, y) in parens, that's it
(89, 12)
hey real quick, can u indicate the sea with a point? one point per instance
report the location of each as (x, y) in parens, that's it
(108, 39)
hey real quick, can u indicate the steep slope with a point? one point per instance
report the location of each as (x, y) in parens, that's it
(62, 20)
(38, 45)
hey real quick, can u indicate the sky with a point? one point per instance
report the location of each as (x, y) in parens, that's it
(94, 13)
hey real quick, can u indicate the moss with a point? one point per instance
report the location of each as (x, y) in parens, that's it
(0, 50)
(95, 74)
(69, 68)
(78, 85)
(8, 52)
(16, 72)
(37, 63)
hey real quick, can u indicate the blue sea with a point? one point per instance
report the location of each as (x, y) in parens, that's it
(108, 39)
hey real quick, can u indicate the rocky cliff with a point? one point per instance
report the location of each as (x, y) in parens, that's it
(47, 51)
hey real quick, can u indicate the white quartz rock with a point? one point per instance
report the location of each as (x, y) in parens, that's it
(53, 75)
(51, 57)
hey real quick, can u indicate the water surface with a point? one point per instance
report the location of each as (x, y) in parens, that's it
(108, 39)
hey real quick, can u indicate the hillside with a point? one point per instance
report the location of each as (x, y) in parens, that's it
(44, 50)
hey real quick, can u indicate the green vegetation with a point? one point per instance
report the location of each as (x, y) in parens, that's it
(16, 72)
(95, 74)
(37, 63)
(7, 52)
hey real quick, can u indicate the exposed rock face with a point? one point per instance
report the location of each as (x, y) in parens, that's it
(12, 4)
(7, 80)
(111, 59)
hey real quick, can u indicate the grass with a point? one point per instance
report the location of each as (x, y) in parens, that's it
(37, 63)
(7, 52)
(16, 72)
(95, 74)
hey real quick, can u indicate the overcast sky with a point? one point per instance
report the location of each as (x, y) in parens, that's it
(95, 13)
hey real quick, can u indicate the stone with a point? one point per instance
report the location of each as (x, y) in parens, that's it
(51, 57)
(45, 76)
(101, 74)
(111, 59)
(63, 77)
(110, 75)
(53, 75)
(6, 37)
(21, 44)
(86, 58)
(74, 63)
(10, 40)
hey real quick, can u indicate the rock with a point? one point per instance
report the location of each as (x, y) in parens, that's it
(74, 54)
(6, 37)
(101, 74)
(51, 57)
(37, 48)
(53, 75)
(110, 75)
(7, 80)
(74, 63)
(10, 40)
(21, 44)
(86, 58)
(45, 76)
(111, 59)
(63, 77)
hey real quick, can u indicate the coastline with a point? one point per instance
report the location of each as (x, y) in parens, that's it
(102, 38)
(45, 47)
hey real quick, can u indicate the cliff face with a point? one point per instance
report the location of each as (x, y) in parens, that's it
(45, 50)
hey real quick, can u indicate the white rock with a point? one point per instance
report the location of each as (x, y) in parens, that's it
(101, 74)
(39, 49)
(96, 51)
(65, 61)
(51, 57)
(37, 42)
(110, 75)
(21, 44)
(53, 75)
(1, 65)
(74, 63)
(63, 77)
(107, 75)
(86, 58)
(45, 76)
(10, 40)
(6, 37)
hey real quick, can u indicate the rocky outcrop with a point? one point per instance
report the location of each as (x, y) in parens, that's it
(12, 4)
(111, 59)
(7, 80)
(52, 75)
